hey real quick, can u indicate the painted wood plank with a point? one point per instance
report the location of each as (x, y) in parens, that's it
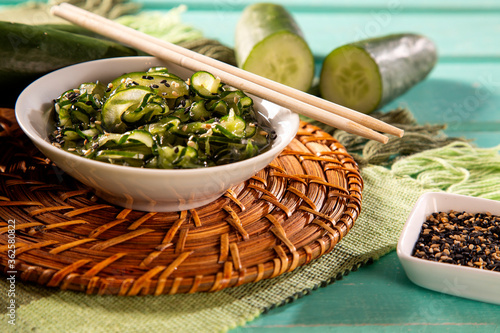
(327, 30)
(465, 96)
(363, 5)
(378, 298)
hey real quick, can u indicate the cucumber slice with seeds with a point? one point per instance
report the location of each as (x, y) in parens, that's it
(232, 126)
(268, 42)
(198, 112)
(165, 86)
(120, 102)
(205, 84)
(368, 74)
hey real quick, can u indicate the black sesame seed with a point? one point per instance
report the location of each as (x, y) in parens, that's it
(147, 77)
(461, 239)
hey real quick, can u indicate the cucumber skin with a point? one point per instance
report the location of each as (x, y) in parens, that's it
(257, 22)
(403, 60)
(29, 52)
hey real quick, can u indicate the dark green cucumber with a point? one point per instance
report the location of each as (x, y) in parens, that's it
(368, 74)
(268, 42)
(29, 52)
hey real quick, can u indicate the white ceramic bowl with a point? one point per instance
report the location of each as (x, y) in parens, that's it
(462, 281)
(137, 188)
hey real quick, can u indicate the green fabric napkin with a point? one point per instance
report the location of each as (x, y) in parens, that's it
(387, 200)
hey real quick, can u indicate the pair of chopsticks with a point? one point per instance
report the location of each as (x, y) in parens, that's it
(300, 102)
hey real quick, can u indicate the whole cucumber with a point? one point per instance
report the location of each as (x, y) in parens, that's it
(268, 42)
(29, 52)
(368, 74)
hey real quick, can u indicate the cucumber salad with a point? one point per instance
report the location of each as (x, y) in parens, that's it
(155, 119)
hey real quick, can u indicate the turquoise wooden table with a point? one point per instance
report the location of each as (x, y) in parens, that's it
(463, 91)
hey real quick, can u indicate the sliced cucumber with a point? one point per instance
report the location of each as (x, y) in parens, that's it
(120, 102)
(109, 140)
(132, 158)
(162, 71)
(205, 84)
(162, 126)
(166, 86)
(198, 112)
(236, 100)
(152, 106)
(178, 157)
(218, 107)
(137, 126)
(232, 126)
(141, 136)
(368, 74)
(268, 42)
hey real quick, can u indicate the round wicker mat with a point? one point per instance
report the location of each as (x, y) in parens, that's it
(288, 214)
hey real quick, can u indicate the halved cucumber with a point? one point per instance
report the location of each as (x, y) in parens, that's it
(268, 42)
(368, 74)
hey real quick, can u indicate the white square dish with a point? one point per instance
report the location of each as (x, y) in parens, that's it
(463, 281)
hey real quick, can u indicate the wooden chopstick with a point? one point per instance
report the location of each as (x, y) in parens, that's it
(229, 74)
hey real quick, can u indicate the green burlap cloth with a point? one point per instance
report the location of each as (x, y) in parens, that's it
(389, 194)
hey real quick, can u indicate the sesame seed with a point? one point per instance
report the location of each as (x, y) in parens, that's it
(466, 239)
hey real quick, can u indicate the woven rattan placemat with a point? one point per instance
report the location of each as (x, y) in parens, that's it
(293, 211)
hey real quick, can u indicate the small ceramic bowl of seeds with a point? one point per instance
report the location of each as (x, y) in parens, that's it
(451, 244)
